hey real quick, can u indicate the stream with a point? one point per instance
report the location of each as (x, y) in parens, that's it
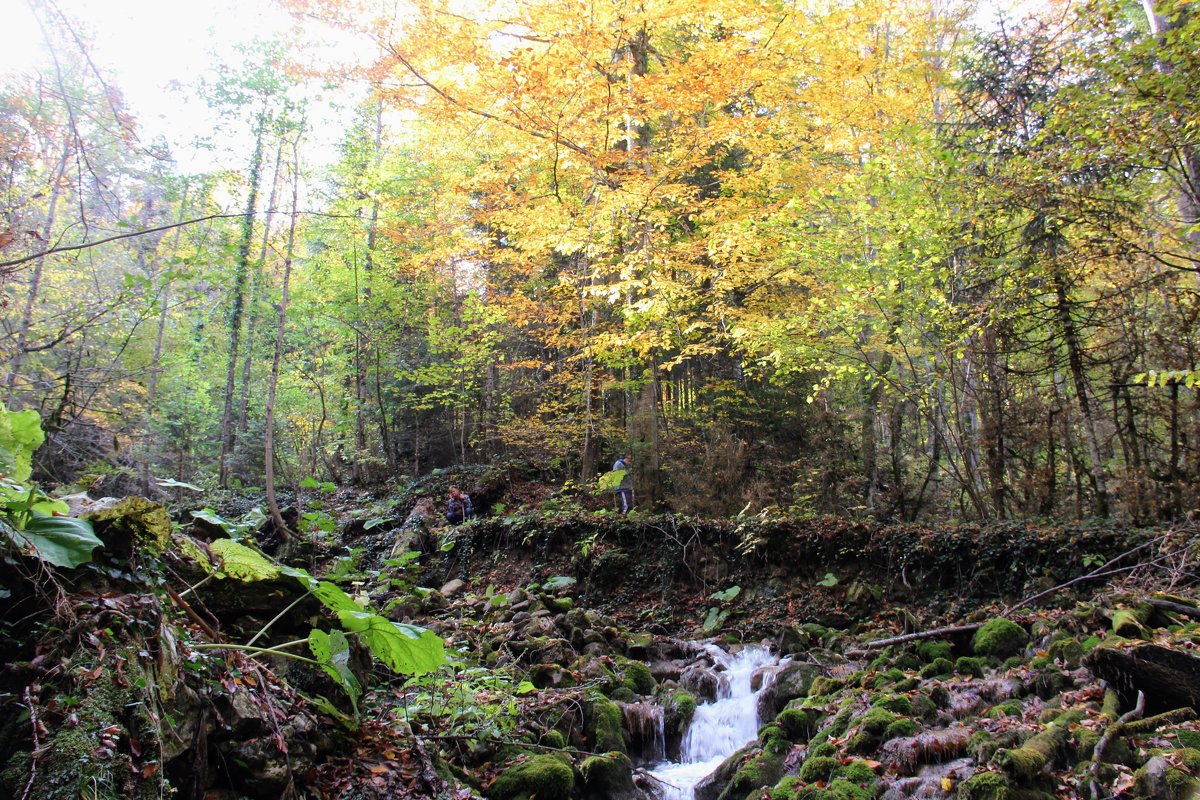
(719, 728)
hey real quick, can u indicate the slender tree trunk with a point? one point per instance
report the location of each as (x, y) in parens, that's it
(164, 299)
(35, 279)
(1079, 378)
(243, 420)
(237, 304)
(273, 381)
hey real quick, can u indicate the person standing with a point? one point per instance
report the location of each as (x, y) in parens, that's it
(459, 507)
(625, 489)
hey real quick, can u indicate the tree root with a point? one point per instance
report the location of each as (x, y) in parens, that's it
(1111, 733)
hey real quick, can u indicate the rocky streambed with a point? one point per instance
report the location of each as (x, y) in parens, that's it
(583, 652)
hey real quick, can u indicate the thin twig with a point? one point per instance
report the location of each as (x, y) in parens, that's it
(33, 721)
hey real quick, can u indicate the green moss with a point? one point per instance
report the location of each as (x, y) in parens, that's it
(822, 750)
(823, 686)
(845, 790)
(638, 677)
(684, 702)
(896, 703)
(939, 666)
(1022, 763)
(923, 706)
(876, 720)
(763, 768)
(888, 678)
(799, 724)
(605, 730)
(984, 786)
(1009, 708)
(939, 695)
(553, 739)
(999, 638)
(858, 772)
(901, 727)
(818, 768)
(1131, 622)
(1186, 737)
(623, 694)
(1067, 650)
(610, 775)
(969, 665)
(933, 649)
(982, 745)
(836, 727)
(546, 777)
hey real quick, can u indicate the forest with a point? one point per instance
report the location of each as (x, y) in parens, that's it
(892, 304)
(858, 258)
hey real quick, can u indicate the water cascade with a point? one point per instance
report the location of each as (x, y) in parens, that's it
(719, 728)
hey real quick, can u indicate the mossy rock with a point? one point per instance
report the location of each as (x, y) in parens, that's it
(818, 768)
(637, 677)
(762, 769)
(888, 677)
(1009, 708)
(984, 786)
(876, 720)
(604, 727)
(933, 649)
(132, 524)
(544, 776)
(858, 772)
(937, 667)
(680, 708)
(608, 776)
(900, 728)
(999, 638)
(822, 750)
(1067, 650)
(822, 686)
(1159, 778)
(841, 789)
(896, 703)
(799, 723)
(969, 666)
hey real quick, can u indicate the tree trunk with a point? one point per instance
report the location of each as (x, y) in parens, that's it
(273, 381)
(35, 280)
(243, 420)
(237, 304)
(1071, 339)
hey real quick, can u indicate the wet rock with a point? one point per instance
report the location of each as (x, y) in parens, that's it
(701, 681)
(452, 588)
(791, 681)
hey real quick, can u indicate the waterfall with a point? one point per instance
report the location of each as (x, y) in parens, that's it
(718, 728)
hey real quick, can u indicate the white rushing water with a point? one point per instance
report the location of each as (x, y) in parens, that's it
(719, 728)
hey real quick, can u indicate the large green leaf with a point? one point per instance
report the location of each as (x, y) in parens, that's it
(405, 649)
(334, 598)
(333, 651)
(242, 563)
(20, 435)
(62, 541)
(610, 481)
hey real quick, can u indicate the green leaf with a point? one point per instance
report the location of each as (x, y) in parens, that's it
(309, 483)
(525, 687)
(610, 481)
(405, 649)
(62, 541)
(829, 580)
(242, 563)
(714, 619)
(334, 598)
(727, 595)
(559, 582)
(168, 483)
(333, 651)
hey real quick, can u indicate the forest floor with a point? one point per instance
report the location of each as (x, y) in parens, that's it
(559, 620)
